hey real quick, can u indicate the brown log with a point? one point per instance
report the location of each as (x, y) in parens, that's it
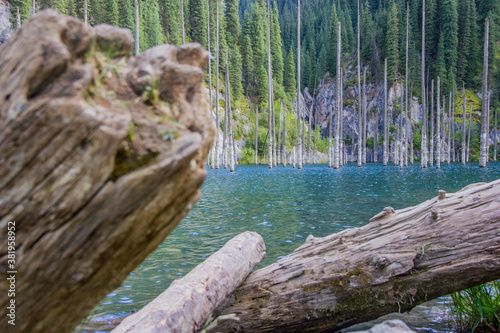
(187, 304)
(101, 155)
(392, 264)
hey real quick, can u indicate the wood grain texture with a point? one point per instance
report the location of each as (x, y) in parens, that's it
(392, 264)
(101, 156)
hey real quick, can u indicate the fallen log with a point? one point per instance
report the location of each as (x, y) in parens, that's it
(187, 304)
(399, 260)
(101, 155)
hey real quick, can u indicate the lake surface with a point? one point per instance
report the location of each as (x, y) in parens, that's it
(284, 206)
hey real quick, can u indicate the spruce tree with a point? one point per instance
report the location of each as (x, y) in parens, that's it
(232, 22)
(126, 8)
(276, 46)
(392, 44)
(111, 12)
(197, 30)
(248, 66)
(449, 41)
(332, 45)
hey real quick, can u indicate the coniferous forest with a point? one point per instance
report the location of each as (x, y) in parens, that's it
(454, 35)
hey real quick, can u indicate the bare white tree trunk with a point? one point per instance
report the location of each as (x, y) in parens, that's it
(339, 103)
(182, 21)
(496, 136)
(443, 131)
(449, 131)
(464, 118)
(136, 26)
(299, 142)
(386, 120)
(33, 9)
(18, 18)
(470, 127)
(217, 160)
(438, 126)
(423, 149)
(284, 139)
(84, 10)
(483, 158)
(256, 134)
(431, 150)
(229, 120)
(360, 136)
(279, 133)
(406, 89)
(275, 159)
(342, 154)
(226, 104)
(294, 157)
(270, 87)
(330, 155)
(212, 164)
(364, 117)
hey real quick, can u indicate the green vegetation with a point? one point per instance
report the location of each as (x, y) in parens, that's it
(477, 309)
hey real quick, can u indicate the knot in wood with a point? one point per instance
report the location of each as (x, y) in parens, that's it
(382, 262)
(386, 211)
(434, 214)
(442, 194)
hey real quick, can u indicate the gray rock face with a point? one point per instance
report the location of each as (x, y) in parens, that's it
(5, 25)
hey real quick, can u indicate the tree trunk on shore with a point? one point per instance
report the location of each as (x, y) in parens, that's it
(386, 120)
(94, 184)
(399, 260)
(483, 158)
(188, 303)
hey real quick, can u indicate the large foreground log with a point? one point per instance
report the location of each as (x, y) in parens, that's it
(187, 304)
(101, 155)
(398, 260)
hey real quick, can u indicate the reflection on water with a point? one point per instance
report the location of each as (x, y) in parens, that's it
(284, 206)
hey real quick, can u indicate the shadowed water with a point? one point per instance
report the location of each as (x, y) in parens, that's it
(284, 206)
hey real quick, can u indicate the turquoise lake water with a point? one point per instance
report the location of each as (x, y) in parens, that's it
(284, 206)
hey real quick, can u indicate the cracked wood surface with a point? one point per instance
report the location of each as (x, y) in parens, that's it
(101, 155)
(392, 264)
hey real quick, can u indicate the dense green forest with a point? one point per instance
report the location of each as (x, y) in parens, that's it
(454, 35)
(454, 38)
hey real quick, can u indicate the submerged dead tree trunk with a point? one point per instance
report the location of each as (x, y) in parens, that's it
(299, 142)
(256, 134)
(464, 120)
(95, 175)
(360, 128)
(483, 156)
(339, 102)
(399, 260)
(438, 126)
(386, 120)
(423, 148)
(431, 146)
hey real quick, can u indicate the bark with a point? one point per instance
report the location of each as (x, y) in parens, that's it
(464, 118)
(342, 154)
(339, 103)
(299, 142)
(438, 126)
(386, 120)
(449, 131)
(18, 18)
(136, 27)
(431, 149)
(424, 106)
(330, 150)
(496, 136)
(360, 136)
(230, 120)
(483, 158)
(187, 304)
(98, 168)
(470, 128)
(226, 105)
(309, 133)
(84, 10)
(443, 131)
(275, 160)
(212, 164)
(364, 117)
(400, 259)
(182, 21)
(294, 157)
(217, 160)
(284, 139)
(256, 134)
(279, 133)
(270, 87)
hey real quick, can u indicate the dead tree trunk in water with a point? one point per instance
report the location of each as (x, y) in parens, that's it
(279, 132)
(136, 27)
(256, 134)
(423, 148)
(360, 136)
(399, 260)
(270, 88)
(386, 120)
(438, 126)
(338, 135)
(217, 160)
(464, 120)
(470, 127)
(431, 147)
(299, 142)
(364, 117)
(182, 22)
(284, 138)
(483, 158)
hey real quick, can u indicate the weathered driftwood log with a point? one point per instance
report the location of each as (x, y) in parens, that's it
(392, 264)
(187, 304)
(101, 155)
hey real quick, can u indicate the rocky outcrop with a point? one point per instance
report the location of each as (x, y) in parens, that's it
(101, 156)
(5, 24)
